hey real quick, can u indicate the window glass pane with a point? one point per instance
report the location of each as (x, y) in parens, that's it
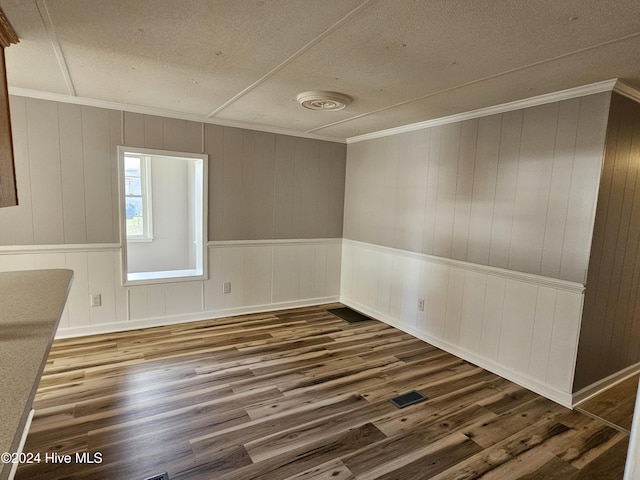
(134, 207)
(132, 176)
(132, 186)
(135, 226)
(132, 166)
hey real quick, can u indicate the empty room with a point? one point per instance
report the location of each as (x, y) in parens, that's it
(303, 239)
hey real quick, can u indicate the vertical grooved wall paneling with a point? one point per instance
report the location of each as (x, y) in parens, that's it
(72, 163)
(513, 325)
(514, 190)
(488, 222)
(277, 199)
(262, 185)
(269, 186)
(610, 332)
(46, 175)
(100, 140)
(66, 173)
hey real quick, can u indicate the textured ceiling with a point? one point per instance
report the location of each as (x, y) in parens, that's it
(244, 61)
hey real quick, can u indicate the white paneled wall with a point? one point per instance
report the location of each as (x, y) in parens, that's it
(523, 327)
(515, 190)
(264, 275)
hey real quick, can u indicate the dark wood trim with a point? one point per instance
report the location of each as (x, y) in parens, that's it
(7, 34)
(610, 329)
(8, 187)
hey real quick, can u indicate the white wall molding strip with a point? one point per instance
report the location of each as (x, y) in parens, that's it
(274, 242)
(61, 248)
(186, 318)
(587, 392)
(599, 87)
(563, 398)
(91, 102)
(629, 92)
(103, 247)
(539, 280)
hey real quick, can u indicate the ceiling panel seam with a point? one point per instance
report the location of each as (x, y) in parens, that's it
(473, 82)
(290, 59)
(55, 43)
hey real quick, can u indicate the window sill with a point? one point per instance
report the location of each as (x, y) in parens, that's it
(139, 239)
(167, 276)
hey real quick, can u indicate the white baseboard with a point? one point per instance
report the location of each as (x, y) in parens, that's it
(193, 317)
(563, 398)
(587, 392)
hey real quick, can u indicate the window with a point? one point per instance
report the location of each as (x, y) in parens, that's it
(137, 186)
(175, 249)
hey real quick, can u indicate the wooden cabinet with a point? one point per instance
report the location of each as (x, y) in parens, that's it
(8, 190)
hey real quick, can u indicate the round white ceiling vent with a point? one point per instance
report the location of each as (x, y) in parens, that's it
(327, 101)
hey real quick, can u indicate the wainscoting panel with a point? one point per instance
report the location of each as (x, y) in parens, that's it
(78, 301)
(264, 275)
(523, 327)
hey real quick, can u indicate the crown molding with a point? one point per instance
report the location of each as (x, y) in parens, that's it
(91, 102)
(605, 86)
(627, 91)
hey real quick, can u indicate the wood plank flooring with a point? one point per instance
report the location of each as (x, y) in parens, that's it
(298, 394)
(615, 405)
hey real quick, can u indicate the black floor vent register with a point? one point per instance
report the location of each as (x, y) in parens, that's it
(407, 399)
(349, 315)
(160, 476)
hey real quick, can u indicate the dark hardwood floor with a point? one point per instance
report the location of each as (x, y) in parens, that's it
(615, 405)
(298, 394)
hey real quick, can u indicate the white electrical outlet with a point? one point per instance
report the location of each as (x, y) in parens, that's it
(421, 304)
(226, 287)
(95, 299)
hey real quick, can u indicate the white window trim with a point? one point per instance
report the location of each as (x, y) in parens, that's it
(200, 272)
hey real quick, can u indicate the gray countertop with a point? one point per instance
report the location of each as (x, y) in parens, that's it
(31, 303)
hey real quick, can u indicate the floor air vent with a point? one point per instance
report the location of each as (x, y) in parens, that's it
(349, 315)
(407, 399)
(160, 476)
